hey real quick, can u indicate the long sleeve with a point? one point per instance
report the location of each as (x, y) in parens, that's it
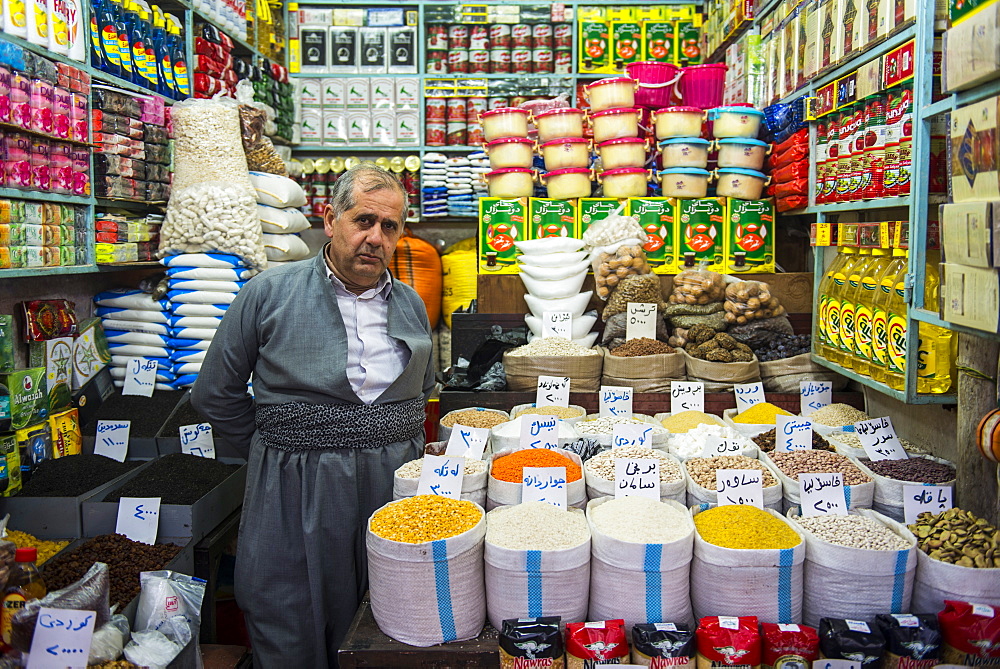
(220, 393)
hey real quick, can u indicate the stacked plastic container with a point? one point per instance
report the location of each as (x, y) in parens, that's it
(614, 120)
(137, 326)
(509, 150)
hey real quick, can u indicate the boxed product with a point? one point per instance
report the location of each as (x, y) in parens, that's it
(10, 464)
(593, 209)
(699, 233)
(66, 437)
(56, 356)
(382, 94)
(334, 127)
(343, 50)
(975, 142)
(315, 46)
(333, 93)
(594, 45)
(311, 126)
(970, 233)
(501, 223)
(660, 41)
(28, 399)
(407, 93)
(407, 129)
(402, 50)
(90, 351)
(972, 50)
(656, 215)
(358, 94)
(552, 218)
(372, 48)
(359, 128)
(971, 296)
(749, 236)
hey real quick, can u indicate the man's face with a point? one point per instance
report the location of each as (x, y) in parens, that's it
(363, 239)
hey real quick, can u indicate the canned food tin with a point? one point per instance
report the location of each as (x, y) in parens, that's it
(456, 133)
(456, 109)
(437, 62)
(479, 61)
(435, 134)
(479, 37)
(563, 61)
(518, 100)
(436, 109)
(541, 36)
(498, 103)
(542, 61)
(562, 36)
(473, 108)
(500, 61)
(520, 61)
(474, 134)
(500, 36)
(437, 37)
(458, 61)
(520, 36)
(458, 37)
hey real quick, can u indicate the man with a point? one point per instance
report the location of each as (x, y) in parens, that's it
(341, 359)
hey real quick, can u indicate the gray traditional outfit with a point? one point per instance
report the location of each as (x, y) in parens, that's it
(320, 459)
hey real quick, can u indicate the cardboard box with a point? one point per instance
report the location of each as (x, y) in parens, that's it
(961, 10)
(750, 234)
(812, 49)
(28, 398)
(90, 352)
(699, 233)
(402, 50)
(10, 460)
(56, 356)
(382, 94)
(970, 233)
(552, 218)
(827, 20)
(593, 209)
(334, 93)
(975, 173)
(971, 296)
(656, 215)
(501, 223)
(972, 50)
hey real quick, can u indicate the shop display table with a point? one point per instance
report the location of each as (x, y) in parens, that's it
(366, 646)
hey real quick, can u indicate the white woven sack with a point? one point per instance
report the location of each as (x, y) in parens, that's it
(516, 411)
(505, 493)
(937, 581)
(428, 593)
(888, 498)
(473, 487)
(858, 496)
(704, 498)
(528, 584)
(444, 431)
(748, 429)
(599, 488)
(855, 583)
(743, 582)
(656, 439)
(507, 436)
(749, 450)
(640, 583)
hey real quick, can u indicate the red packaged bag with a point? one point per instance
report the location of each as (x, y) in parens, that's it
(800, 138)
(794, 154)
(971, 634)
(48, 319)
(790, 172)
(788, 645)
(792, 202)
(793, 187)
(590, 644)
(727, 641)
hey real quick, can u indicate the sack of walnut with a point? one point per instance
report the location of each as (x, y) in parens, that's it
(698, 286)
(749, 300)
(615, 245)
(719, 377)
(627, 365)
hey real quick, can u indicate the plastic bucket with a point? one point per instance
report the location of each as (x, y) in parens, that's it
(656, 83)
(702, 85)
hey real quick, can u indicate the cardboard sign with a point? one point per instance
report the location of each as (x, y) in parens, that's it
(557, 324)
(822, 494)
(140, 377)
(62, 638)
(637, 478)
(467, 442)
(111, 439)
(879, 439)
(687, 396)
(748, 394)
(539, 431)
(814, 395)
(616, 401)
(792, 433)
(719, 446)
(641, 320)
(197, 440)
(441, 475)
(920, 498)
(631, 434)
(740, 486)
(552, 391)
(544, 484)
(139, 518)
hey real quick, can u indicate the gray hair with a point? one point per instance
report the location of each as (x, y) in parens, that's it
(371, 178)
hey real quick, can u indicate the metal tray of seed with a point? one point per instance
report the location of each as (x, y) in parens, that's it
(168, 439)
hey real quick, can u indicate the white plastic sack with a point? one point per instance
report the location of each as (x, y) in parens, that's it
(529, 584)
(429, 593)
(937, 581)
(137, 315)
(673, 491)
(138, 351)
(505, 493)
(552, 259)
(473, 487)
(206, 260)
(126, 298)
(200, 297)
(742, 582)
(749, 430)
(444, 431)
(888, 498)
(285, 248)
(199, 310)
(190, 344)
(277, 191)
(854, 583)
(143, 338)
(507, 436)
(205, 284)
(209, 322)
(187, 368)
(207, 143)
(581, 326)
(210, 273)
(278, 221)
(204, 334)
(640, 583)
(519, 409)
(134, 326)
(858, 496)
(187, 356)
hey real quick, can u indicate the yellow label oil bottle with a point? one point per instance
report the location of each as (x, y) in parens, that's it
(864, 311)
(822, 335)
(879, 367)
(835, 308)
(934, 357)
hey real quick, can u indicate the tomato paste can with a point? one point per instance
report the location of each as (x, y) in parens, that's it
(474, 134)
(541, 36)
(479, 61)
(458, 37)
(437, 62)
(520, 61)
(499, 36)
(563, 61)
(479, 37)
(437, 37)
(435, 109)
(497, 103)
(562, 35)
(456, 109)
(435, 133)
(542, 61)
(500, 61)
(458, 61)
(455, 133)
(473, 108)
(520, 36)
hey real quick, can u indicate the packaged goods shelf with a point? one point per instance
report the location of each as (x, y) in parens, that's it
(47, 271)
(904, 34)
(112, 203)
(902, 396)
(9, 127)
(101, 77)
(16, 194)
(245, 47)
(932, 318)
(860, 205)
(44, 52)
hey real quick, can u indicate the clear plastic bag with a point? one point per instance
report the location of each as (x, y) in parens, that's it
(748, 301)
(634, 288)
(615, 328)
(207, 143)
(260, 152)
(615, 245)
(698, 286)
(170, 603)
(90, 593)
(109, 640)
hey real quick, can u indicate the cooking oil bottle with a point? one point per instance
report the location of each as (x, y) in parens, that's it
(849, 308)
(864, 310)
(835, 308)
(882, 364)
(934, 357)
(23, 584)
(897, 328)
(822, 337)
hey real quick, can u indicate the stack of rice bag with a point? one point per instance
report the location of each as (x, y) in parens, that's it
(434, 186)
(278, 202)
(458, 181)
(137, 326)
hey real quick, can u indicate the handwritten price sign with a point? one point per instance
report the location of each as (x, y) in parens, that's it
(441, 475)
(557, 324)
(631, 434)
(552, 391)
(140, 377)
(539, 431)
(687, 396)
(748, 394)
(814, 395)
(616, 401)
(467, 442)
(879, 439)
(719, 446)
(637, 478)
(740, 486)
(920, 498)
(62, 638)
(111, 439)
(641, 320)
(197, 440)
(822, 494)
(139, 518)
(544, 484)
(792, 434)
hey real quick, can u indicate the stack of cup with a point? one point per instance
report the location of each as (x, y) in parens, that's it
(565, 152)
(614, 119)
(510, 152)
(683, 152)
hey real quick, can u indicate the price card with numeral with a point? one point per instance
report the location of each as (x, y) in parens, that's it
(641, 320)
(687, 396)
(140, 377)
(616, 401)
(792, 433)
(814, 395)
(637, 478)
(467, 442)
(822, 494)
(552, 391)
(139, 518)
(544, 484)
(539, 431)
(197, 440)
(557, 324)
(62, 638)
(740, 486)
(919, 498)
(111, 439)
(441, 475)
(748, 394)
(879, 439)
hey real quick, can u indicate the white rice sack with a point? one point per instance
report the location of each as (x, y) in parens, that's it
(137, 315)
(185, 381)
(277, 221)
(208, 144)
(161, 376)
(200, 310)
(190, 344)
(204, 261)
(159, 386)
(211, 322)
(186, 368)
(135, 326)
(210, 273)
(123, 360)
(138, 351)
(194, 333)
(187, 355)
(285, 248)
(128, 298)
(277, 191)
(143, 338)
(200, 297)
(205, 284)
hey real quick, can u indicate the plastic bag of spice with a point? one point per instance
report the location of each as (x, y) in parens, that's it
(854, 640)
(590, 644)
(526, 643)
(634, 288)
(911, 641)
(90, 593)
(971, 634)
(725, 641)
(662, 645)
(788, 646)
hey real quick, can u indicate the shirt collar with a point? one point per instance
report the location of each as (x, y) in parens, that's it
(382, 289)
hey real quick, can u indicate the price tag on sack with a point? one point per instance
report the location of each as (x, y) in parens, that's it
(139, 518)
(62, 638)
(539, 431)
(140, 377)
(441, 475)
(720, 446)
(792, 434)
(919, 498)
(687, 396)
(631, 434)
(879, 439)
(197, 440)
(552, 391)
(641, 320)
(111, 439)
(740, 486)
(544, 484)
(557, 324)
(638, 477)
(748, 394)
(814, 395)
(616, 401)
(822, 494)
(467, 442)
